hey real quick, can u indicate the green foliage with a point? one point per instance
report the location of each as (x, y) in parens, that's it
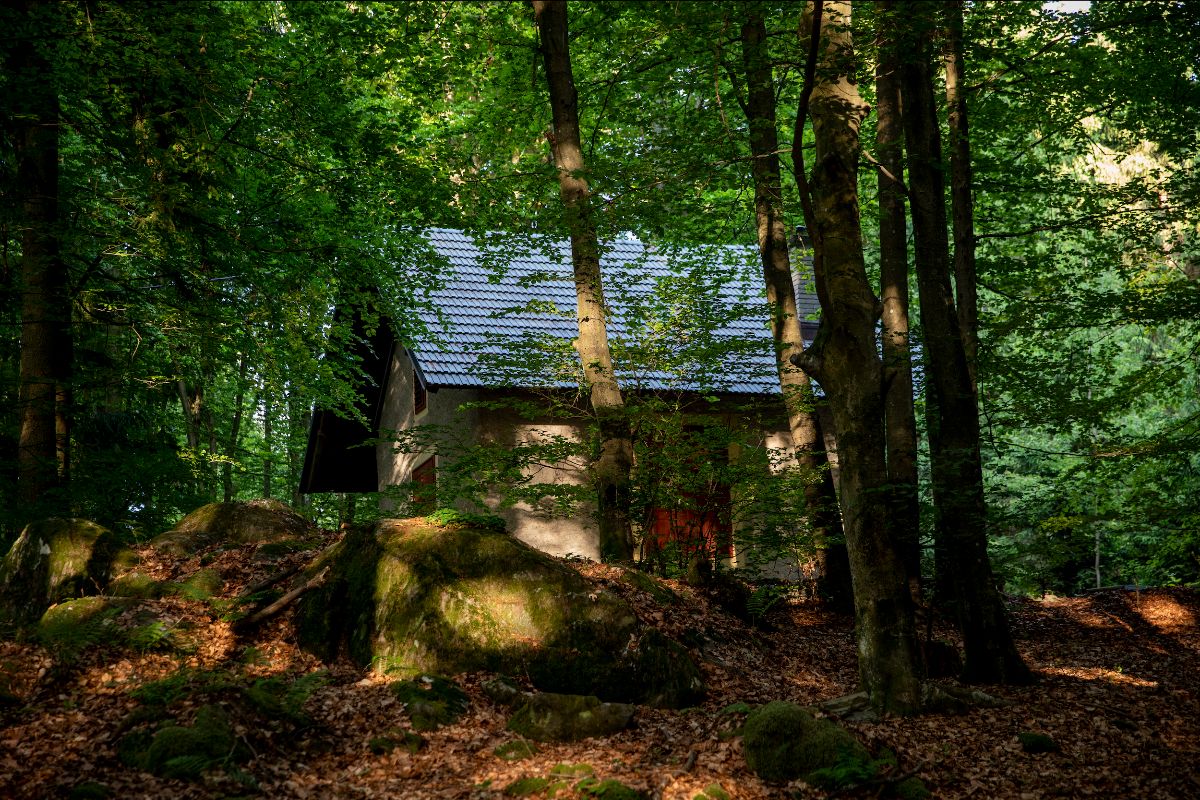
(607, 789)
(523, 787)
(431, 701)
(412, 742)
(765, 597)
(447, 517)
(184, 682)
(70, 628)
(283, 697)
(90, 790)
(153, 636)
(516, 750)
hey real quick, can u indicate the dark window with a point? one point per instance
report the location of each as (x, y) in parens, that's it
(420, 395)
(424, 480)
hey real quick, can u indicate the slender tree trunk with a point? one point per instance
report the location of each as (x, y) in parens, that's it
(961, 514)
(963, 202)
(845, 360)
(235, 429)
(299, 418)
(900, 419)
(773, 235)
(268, 444)
(43, 453)
(612, 467)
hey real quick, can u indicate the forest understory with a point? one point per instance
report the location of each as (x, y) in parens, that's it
(1117, 693)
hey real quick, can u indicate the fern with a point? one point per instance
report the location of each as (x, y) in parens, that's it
(764, 598)
(155, 636)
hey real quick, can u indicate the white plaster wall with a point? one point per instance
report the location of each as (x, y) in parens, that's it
(538, 526)
(458, 428)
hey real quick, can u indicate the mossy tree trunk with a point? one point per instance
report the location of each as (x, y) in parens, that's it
(612, 466)
(845, 360)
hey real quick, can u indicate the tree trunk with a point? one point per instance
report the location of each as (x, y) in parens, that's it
(961, 514)
(299, 418)
(612, 467)
(845, 360)
(899, 416)
(46, 349)
(963, 202)
(820, 501)
(235, 430)
(268, 444)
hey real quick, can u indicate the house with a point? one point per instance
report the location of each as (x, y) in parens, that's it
(688, 328)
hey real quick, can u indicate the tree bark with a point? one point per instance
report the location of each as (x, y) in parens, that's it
(43, 448)
(962, 200)
(268, 443)
(845, 360)
(235, 429)
(961, 514)
(899, 415)
(820, 501)
(613, 464)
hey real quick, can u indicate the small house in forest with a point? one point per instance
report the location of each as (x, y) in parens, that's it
(484, 408)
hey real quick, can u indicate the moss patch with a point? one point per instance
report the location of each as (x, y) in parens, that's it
(202, 585)
(179, 751)
(139, 585)
(782, 742)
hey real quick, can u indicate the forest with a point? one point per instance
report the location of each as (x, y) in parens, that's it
(209, 208)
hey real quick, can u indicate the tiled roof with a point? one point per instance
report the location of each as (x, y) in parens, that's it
(506, 315)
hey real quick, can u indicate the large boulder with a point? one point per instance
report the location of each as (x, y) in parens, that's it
(782, 742)
(239, 522)
(412, 596)
(55, 560)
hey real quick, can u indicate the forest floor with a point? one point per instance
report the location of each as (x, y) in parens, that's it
(1119, 691)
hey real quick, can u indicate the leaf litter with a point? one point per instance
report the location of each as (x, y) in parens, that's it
(1118, 693)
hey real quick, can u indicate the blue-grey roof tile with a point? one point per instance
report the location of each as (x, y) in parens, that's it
(507, 296)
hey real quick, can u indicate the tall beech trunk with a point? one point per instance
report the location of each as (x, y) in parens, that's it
(962, 200)
(820, 500)
(43, 447)
(900, 420)
(845, 360)
(612, 467)
(961, 513)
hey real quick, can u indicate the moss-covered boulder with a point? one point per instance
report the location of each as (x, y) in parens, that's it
(412, 596)
(782, 742)
(74, 626)
(550, 717)
(236, 523)
(55, 560)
